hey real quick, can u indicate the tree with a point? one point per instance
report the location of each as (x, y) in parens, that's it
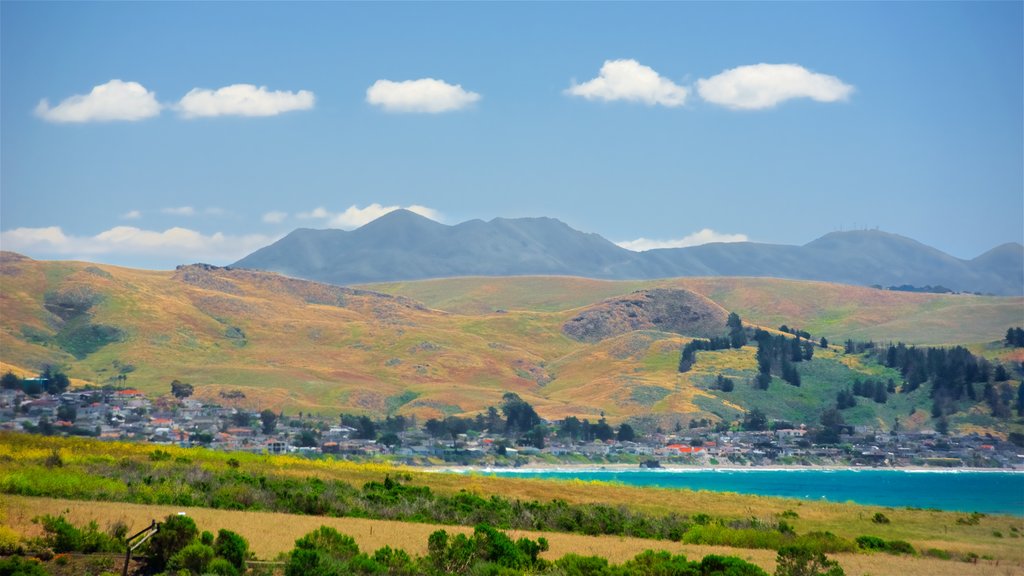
(175, 533)
(737, 335)
(307, 438)
(755, 420)
(626, 433)
(435, 428)
(180, 389)
(241, 418)
(1001, 374)
(602, 431)
(9, 381)
(823, 342)
(519, 415)
(232, 547)
(390, 440)
(67, 412)
(831, 425)
(268, 421)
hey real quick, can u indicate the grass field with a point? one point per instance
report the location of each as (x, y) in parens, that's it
(271, 534)
(22, 458)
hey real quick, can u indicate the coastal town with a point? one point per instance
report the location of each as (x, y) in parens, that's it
(125, 414)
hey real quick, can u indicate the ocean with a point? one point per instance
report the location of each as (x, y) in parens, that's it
(995, 492)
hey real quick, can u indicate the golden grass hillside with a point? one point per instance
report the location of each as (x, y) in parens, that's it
(836, 311)
(294, 345)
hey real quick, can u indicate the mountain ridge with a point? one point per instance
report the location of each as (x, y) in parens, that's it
(403, 245)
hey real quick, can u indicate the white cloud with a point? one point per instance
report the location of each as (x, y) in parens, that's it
(354, 216)
(705, 236)
(242, 100)
(275, 217)
(115, 100)
(765, 85)
(179, 211)
(423, 95)
(131, 215)
(631, 81)
(181, 244)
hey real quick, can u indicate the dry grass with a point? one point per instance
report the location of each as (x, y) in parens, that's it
(271, 534)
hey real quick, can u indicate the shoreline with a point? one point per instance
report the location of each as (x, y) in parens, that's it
(543, 467)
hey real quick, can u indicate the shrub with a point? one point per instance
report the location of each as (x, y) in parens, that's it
(732, 566)
(62, 536)
(870, 543)
(575, 565)
(880, 518)
(206, 538)
(175, 533)
(221, 567)
(800, 561)
(937, 553)
(232, 547)
(899, 547)
(195, 558)
(10, 541)
(18, 566)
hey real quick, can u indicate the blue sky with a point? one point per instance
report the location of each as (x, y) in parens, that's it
(150, 134)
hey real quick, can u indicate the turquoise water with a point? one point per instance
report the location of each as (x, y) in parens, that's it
(988, 492)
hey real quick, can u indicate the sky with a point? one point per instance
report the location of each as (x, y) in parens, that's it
(152, 134)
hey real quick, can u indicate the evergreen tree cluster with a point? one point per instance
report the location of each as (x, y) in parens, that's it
(689, 355)
(584, 431)
(50, 381)
(1014, 337)
(778, 354)
(795, 332)
(874, 389)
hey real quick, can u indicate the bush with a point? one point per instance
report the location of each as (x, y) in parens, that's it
(575, 565)
(18, 566)
(62, 536)
(232, 547)
(195, 558)
(10, 541)
(899, 547)
(880, 518)
(871, 543)
(175, 533)
(800, 561)
(221, 567)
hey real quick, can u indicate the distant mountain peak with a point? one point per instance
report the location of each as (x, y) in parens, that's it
(404, 245)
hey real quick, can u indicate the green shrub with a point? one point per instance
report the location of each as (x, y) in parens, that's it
(194, 558)
(713, 564)
(880, 518)
(18, 566)
(801, 561)
(937, 553)
(899, 547)
(222, 567)
(175, 533)
(232, 547)
(870, 543)
(575, 565)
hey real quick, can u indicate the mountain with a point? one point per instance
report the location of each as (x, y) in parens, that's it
(402, 245)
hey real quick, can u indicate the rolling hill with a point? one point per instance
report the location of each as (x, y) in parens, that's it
(402, 245)
(568, 346)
